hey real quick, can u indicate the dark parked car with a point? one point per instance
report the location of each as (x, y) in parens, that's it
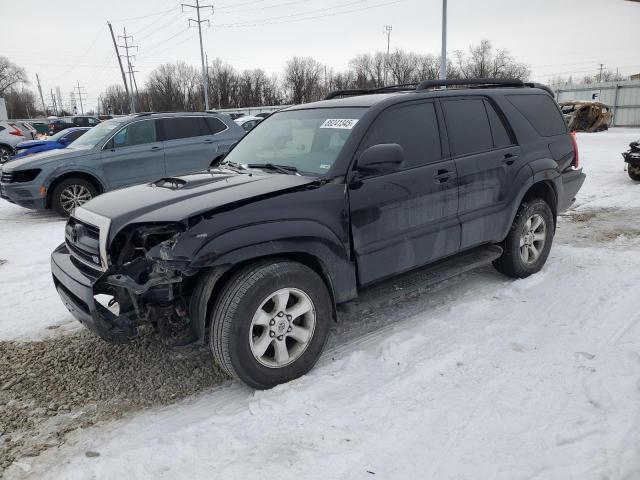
(58, 124)
(117, 153)
(62, 139)
(318, 203)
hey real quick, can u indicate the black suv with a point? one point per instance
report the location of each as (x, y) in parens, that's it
(316, 204)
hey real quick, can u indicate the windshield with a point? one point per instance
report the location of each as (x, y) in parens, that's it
(97, 133)
(309, 140)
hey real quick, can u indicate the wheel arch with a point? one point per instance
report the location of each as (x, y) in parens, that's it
(74, 174)
(212, 280)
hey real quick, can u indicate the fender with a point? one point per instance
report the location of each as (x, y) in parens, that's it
(297, 236)
(525, 180)
(70, 169)
(8, 146)
(544, 169)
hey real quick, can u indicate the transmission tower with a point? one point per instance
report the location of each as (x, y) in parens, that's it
(199, 22)
(132, 79)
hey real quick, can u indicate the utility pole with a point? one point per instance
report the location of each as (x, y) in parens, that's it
(124, 77)
(387, 29)
(601, 68)
(205, 79)
(80, 94)
(126, 47)
(443, 53)
(53, 102)
(44, 105)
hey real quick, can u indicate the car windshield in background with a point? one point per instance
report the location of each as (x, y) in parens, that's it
(309, 140)
(97, 133)
(58, 135)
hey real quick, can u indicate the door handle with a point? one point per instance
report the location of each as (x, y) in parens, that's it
(208, 140)
(442, 176)
(155, 149)
(510, 158)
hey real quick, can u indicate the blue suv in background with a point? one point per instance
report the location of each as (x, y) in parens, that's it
(60, 140)
(117, 153)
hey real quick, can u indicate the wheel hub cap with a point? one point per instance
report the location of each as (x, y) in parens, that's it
(533, 239)
(282, 327)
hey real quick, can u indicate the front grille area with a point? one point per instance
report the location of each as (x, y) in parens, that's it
(83, 241)
(6, 177)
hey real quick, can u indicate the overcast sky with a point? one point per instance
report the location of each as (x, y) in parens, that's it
(68, 40)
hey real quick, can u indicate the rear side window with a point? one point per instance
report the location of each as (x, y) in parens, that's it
(468, 126)
(184, 127)
(215, 125)
(414, 127)
(542, 113)
(501, 137)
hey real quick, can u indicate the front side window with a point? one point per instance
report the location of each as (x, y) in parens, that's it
(468, 126)
(74, 135)
(309, 140)
(137, 133)
(414, 127)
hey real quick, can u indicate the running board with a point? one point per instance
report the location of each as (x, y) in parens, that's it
(423, 278)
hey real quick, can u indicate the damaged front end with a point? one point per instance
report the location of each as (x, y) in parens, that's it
(141, 284)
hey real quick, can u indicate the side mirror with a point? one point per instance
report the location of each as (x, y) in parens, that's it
(380, 159)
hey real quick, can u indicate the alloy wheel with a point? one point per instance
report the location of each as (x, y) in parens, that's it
(533, 238)
(282, 327)
(73, 196)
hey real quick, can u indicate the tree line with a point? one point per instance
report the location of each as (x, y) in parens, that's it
(177, 86)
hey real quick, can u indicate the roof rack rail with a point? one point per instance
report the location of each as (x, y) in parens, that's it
(369, 91)
(477, 82)
(427, 84)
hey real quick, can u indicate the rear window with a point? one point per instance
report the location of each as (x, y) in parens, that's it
(542, 113)
(215, 125)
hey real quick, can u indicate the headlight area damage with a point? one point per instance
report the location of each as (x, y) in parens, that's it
(145, 284)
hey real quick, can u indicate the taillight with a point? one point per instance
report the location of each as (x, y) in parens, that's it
(16, 131)
(576, 155)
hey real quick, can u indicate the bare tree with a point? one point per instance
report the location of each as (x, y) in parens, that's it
(11, 75)
(115, 100)
(302, 77)
(483, 61)
(21, 103)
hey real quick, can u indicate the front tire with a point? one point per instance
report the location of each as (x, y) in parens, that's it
(528, 243)
(71, 193)
(5, 154)
(270, 323)
(634, 173)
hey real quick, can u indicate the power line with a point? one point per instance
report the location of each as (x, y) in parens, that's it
(274, 20)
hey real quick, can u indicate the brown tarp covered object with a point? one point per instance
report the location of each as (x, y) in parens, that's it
(586, 116)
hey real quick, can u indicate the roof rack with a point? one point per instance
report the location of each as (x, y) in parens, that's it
(368, 91)
(428, 84)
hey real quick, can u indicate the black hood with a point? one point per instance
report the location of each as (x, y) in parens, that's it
(177, 199)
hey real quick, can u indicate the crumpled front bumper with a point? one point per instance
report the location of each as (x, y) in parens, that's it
(77, 288)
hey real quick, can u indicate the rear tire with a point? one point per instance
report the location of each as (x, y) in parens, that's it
(71, 193)
(258, 333)
(634, 173)
(528, 243)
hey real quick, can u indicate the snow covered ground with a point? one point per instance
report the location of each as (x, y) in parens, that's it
(480, 377)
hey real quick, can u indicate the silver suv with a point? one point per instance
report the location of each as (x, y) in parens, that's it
(117, 153)
(10, 135)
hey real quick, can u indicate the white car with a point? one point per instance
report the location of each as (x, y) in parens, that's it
(248, 122)
(10, 135)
